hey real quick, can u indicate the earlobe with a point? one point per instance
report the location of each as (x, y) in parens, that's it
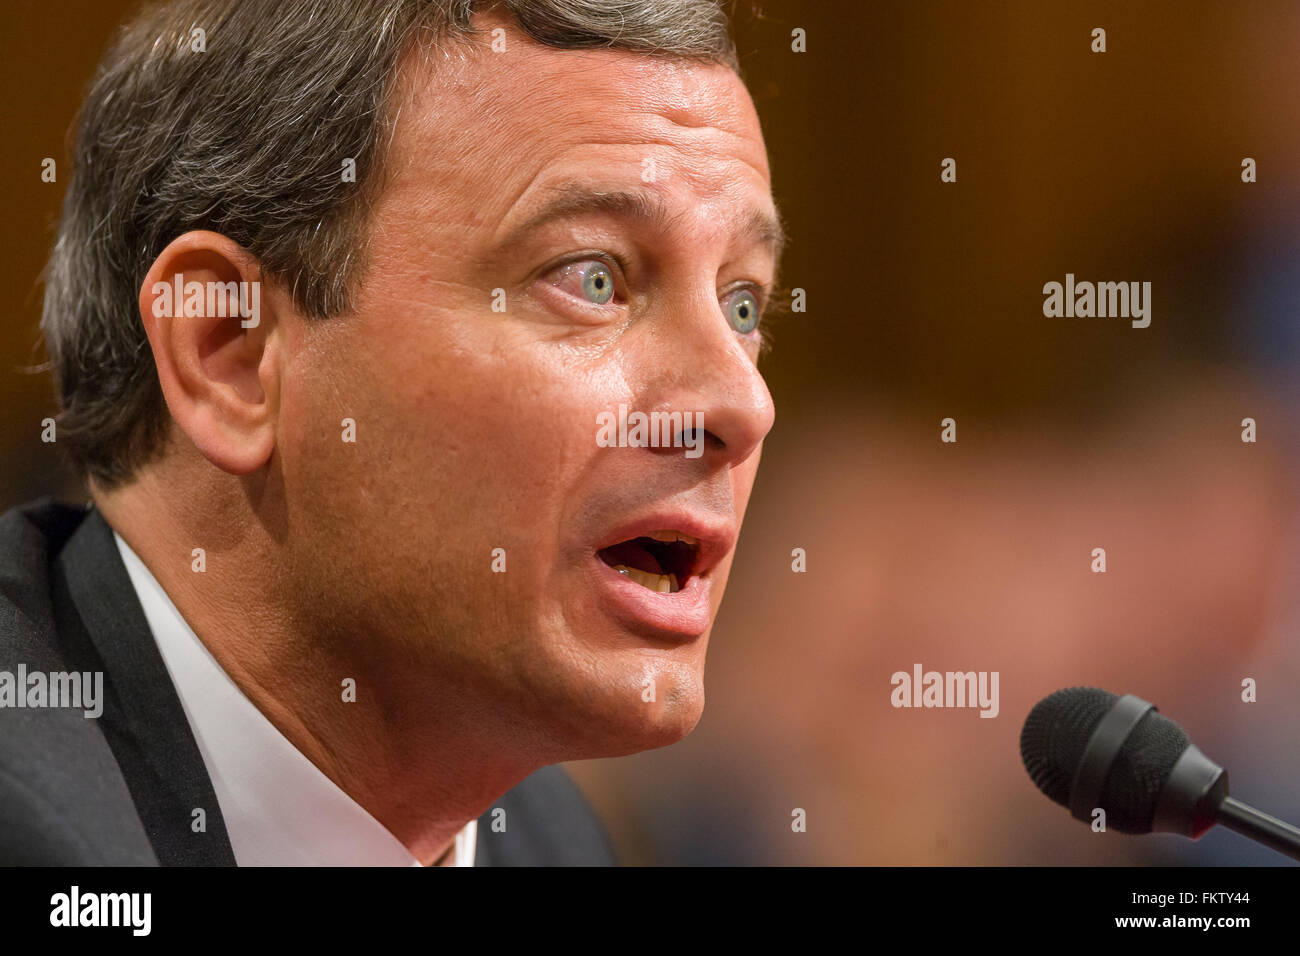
(215, 348)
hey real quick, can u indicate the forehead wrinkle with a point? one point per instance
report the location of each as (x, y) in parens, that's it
(677, 109)
(574, 199)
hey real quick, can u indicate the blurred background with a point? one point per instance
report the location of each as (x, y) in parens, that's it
(924, 301)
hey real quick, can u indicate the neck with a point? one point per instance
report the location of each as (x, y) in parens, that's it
(403, 747)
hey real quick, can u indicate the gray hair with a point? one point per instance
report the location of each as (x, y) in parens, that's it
(247, 139)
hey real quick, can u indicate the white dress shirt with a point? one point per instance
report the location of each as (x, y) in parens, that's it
(280, 809)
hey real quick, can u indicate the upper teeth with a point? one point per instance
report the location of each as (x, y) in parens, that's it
(672, 536)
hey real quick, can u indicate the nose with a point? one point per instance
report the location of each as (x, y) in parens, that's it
(705, 367)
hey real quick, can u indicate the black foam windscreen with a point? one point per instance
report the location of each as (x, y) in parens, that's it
(1140, 771)
(1056, 734)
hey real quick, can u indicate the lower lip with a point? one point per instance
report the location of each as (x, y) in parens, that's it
(681, 615)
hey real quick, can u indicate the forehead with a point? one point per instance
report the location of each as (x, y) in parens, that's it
(482, 130)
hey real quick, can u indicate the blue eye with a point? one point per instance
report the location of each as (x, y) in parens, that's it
(597, 283)
(742, 312)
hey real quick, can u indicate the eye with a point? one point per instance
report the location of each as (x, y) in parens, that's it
(741, 309)
(588, 279)
(597, 282)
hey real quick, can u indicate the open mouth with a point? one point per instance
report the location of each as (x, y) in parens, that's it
(661, 561)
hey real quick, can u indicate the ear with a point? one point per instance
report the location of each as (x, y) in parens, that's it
(215, 348)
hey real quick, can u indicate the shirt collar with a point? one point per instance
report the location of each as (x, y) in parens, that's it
(280, 809)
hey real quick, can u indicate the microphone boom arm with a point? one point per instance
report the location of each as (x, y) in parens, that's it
(1259, 826)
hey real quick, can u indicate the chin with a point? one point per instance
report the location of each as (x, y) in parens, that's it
(649, 725)
(615, 725)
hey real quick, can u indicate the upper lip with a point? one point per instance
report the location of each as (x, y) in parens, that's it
(716, 536)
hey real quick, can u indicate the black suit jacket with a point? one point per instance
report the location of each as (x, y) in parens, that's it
(120, 789)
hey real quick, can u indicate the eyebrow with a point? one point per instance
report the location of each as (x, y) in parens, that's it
(574, 200)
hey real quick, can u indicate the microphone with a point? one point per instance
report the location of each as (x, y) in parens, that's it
(1086, 748)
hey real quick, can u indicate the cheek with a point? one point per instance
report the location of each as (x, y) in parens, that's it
(472, 424)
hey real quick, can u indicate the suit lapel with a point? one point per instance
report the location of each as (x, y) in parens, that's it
(143, 719)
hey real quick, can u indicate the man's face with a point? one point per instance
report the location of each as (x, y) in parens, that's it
(560, 233)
